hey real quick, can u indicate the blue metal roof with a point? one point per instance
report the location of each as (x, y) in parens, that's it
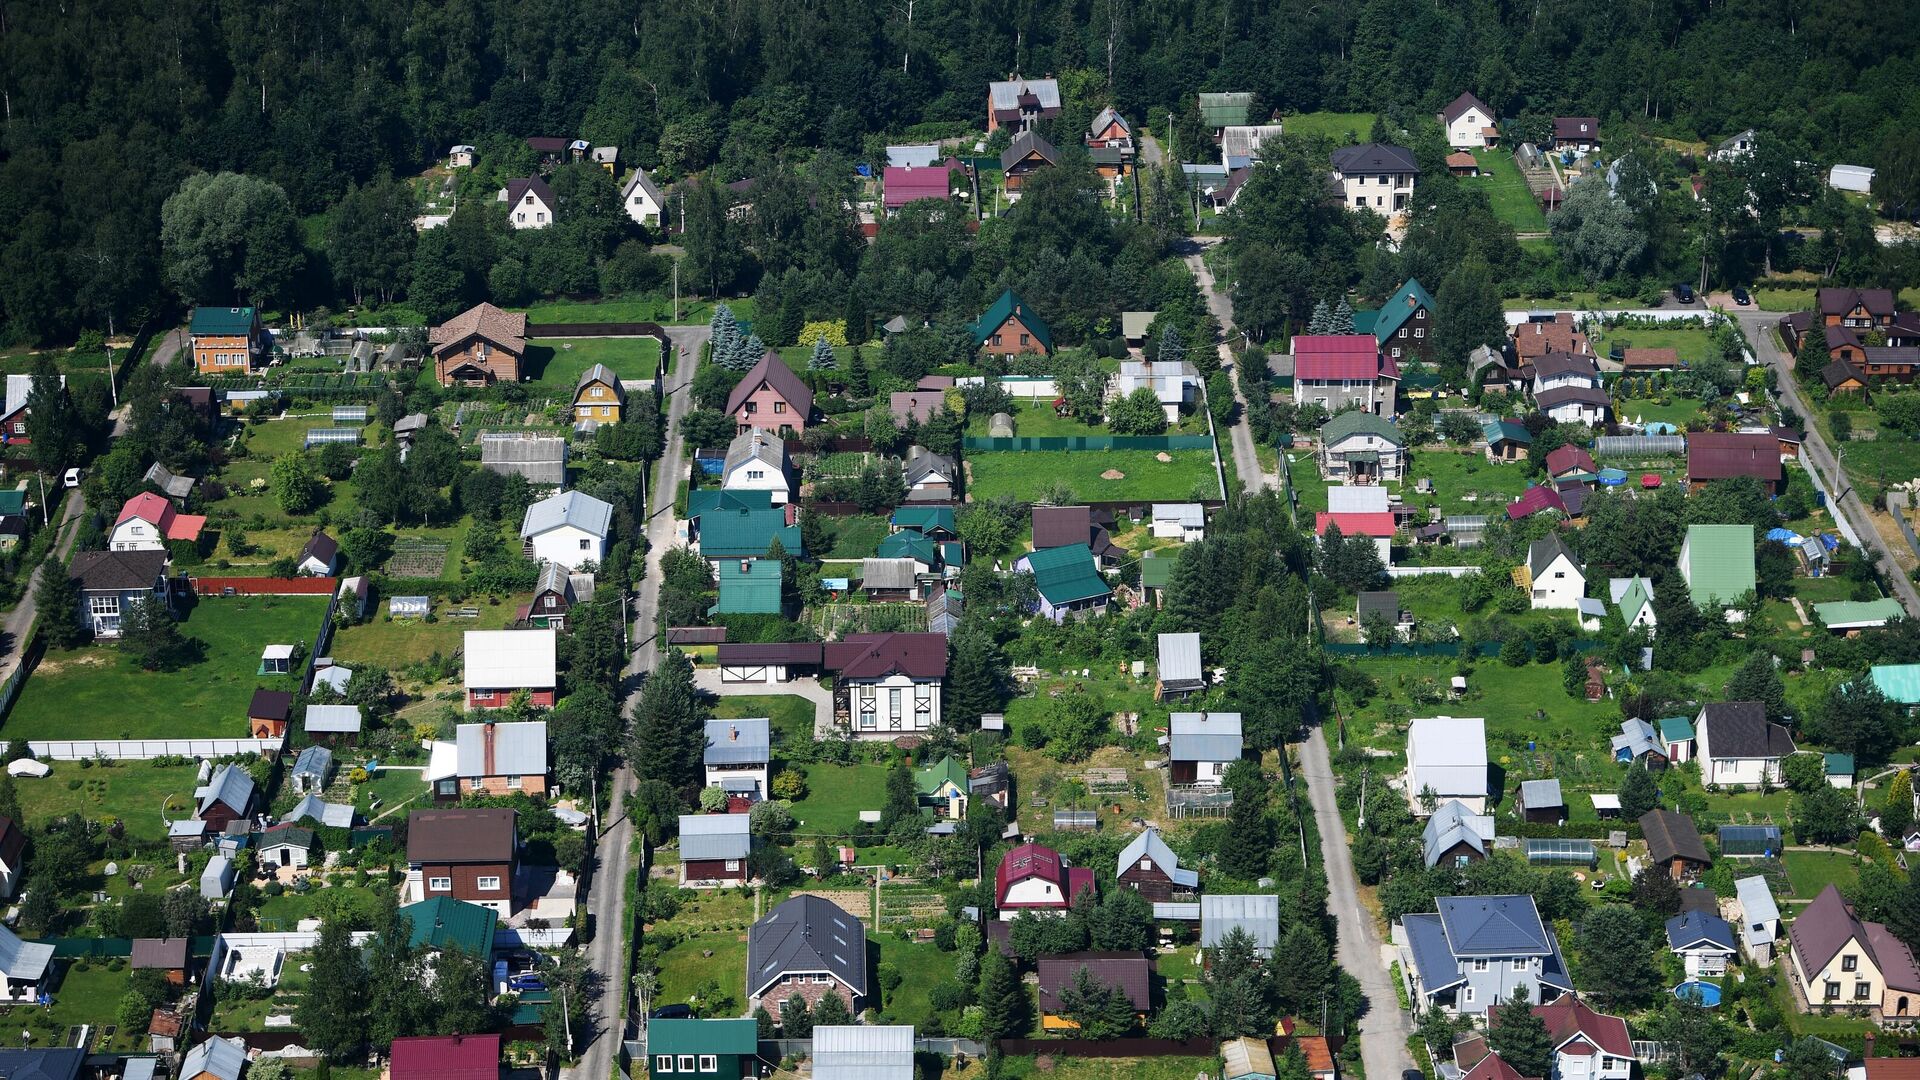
(1494, 926)
(1696, 928)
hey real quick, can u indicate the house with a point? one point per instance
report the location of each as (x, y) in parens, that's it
(1840, 961)
(569, 529)
(1537, 337)
(229, 797)
(1035, 878)
(463, 854)
(863, 1052)
(904, 184)
(1541, 801)
(887, 684)
(147, 522)
(111, 582)
(447, 1057)
(227, 340)
(285, 846)
(1634, 597)
(1577, 133)
(1376, 527)
(442, 924)
(943, 786)
(1447, 755)
(1375, 176)
(1344, 371)
(1759, 918)
(1010, 328)
(1638, 743)
(502, 759)
(1847, 616)
(598, 397)
(1255, 914)
(1240, 143)
(480, 346)
(1461, 163)
(1738, 745)
(1703, 941)
(740, 525)
(807, 946)
(541, 459)
(1027, 154)
(739, 756)
(1843, 377)
(1724, 455)
(1643, 361)
(166, 955)
(214, 1059)
(268, 714)
(714, 849)
(1470, 123)
(1403, 326)
(1149, 867)
(1372, 605)
(1109, 130)
(555, 592)
(1220, 111)
(992, 782)
(935, 523)
(930, 477)
(1361, 448)
(1587, 1045)
(1674, 844)
(1556, 579)
(333, 725)
(1017, 102)
(1507, 440)
(1717, 563)
(1575, 405)
(1174, 383)
(1571, 461)
(500, 663)
(1180, 673)
(530, 203)
(1067, 579)
(1129, 972)
(1475, 951)
(691, 1049)
(1065, 526)
(312, 770)
(770, 396)
(1185, 522)
(320, 557)
(1455, 835)
(642, 199)
(1201, 746)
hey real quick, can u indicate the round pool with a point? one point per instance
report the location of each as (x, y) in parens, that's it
(1705, 994)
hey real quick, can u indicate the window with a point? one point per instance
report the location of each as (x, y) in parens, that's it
(733, 866)
(1480, 965)
(752, 407)
(686, 1062)
(103, 605)
(1833, 991)
(709, 1063)
(1419, 332)
(663, 1063)
(1520, 964)
(756, 474)
(1861, 990)
(514, 783)
(1383, 179)
(779, 406)
(1396, 349)
(1849, 963)
(440, 884)
(487, 884)
(994, 340)
(1466, 996)
(1403, 331)
(1146, 864)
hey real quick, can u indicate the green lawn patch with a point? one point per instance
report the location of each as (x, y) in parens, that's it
(1666, 409)
(1081, 1068)
(835, 796)
(1692, 343)
(1025, 473)
(1338, 126)
(120, 701)
(359, 906)
(394, 643)
(637, 309)
(89, 993)
(130, 791)
(269, 439)
(1303, 476)
(1812, 871)
(790, 716)
(1507, 190)
(684, 970)
(1035, 419)
(1467, 483)
(856, 536)
(922, 966)
(556, 364)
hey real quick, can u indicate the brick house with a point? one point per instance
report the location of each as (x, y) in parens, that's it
(810, 947)
(480, 346)
(771, 397)
(501, 759)
(228, 340)
(1011, 328)
(464, 854)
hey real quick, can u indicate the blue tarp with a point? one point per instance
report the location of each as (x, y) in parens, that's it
(1784, 536)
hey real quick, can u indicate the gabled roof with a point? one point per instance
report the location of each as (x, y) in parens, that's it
(1130, 972)
(1355, 422)
(1697, 929)
(1672, 836)
(926, 519)
(1541, 794)
(541, 459)
(1007, 306)
(1400, 307)
(755, 445)
(519, 749)
(1759, 915)
(807, 934)
(1458, 107)
(506, 329)
(926, 464)
(270, 705)
(1179, 659)
(1005, 94)
(1720, 564)
(1568, 1018)
(746, 741)
(162, 953)
(569, 508)
(156, 511)
(1542, 553)
(714, 836)
(1256, 913)
(224, 321)
(1740, 729)
(176, 486)
(1224, 109)
(876, 656)
(1576, 128)
(1835, 300)
(1358, 499)
(1494, 926)
(461, 835)
(1636, 738)
(1535, 499)
(525, 185)
(1031, 860)
(891, 573)
(639, 180)
(1025, 144)
(312, 807)
(1377, 526)
(446, 1057)
(1553, 398)
(1507, 431)
(932, 780)
(230, 786)
(776, 375)
(1374, 158)
(338, 719)
(1108, 117)
(601, 373)
(1453, 824)
(1899, 683)
(1335, 357)
(443, 923)
(914, 156)
(726, 534)
(1205, 736)
(321, 548)
(1148, 845)
(1570, 457)
(1823, 928)
(737, 1037)
(1066, 574)
(905, 544)
(903, 184)
(287, 834)
(510, 659)
(215, 1057)
(1719, 455)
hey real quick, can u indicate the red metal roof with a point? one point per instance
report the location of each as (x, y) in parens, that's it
(1325, 357)
(1023, 862)
(155, 510)
(447, 1057)
(1569, 1018)
(1569, 457)
(1536, 499)
(902, 185)
(1715, 455)
(1354, 524)
(874, 656)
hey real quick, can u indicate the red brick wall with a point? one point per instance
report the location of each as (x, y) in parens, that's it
(808, 990)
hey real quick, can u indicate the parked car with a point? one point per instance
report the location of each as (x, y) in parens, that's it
(1683, 292)
(672, 1012)
(527, 980)
(1740, 296)
(73, 478)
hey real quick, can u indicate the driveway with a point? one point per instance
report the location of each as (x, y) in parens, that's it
(168, 346)
(708, 679)
(1245, 460)
(14, 628)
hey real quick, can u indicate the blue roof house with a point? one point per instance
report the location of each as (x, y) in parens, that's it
(1476, 950)
(1704, 941)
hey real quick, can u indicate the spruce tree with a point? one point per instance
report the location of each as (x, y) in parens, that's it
(1638, 794)
(1248, 842)
(1814, 354)
(751, 350)
(669, 738)
(857, 385)
(726, 335)
(1003, 1001)
(822, 358)
(1520, 1038)
(1302, 968)
(1322, 320)
(1343, 317)
(980, 677)
(58, 598)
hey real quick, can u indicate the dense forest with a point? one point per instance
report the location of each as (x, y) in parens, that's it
(110, 106)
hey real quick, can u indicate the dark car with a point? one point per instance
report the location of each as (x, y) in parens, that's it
(527, 980)
(1411, 1074)
(1740, 296)
(672, 1012)
(1683, 292)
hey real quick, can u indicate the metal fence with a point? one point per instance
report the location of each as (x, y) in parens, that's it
(146, 749)
(1089, 442)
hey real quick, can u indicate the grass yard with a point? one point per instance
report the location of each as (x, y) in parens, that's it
(791, 716)
(1025, 474)
(1080, 1068)
(1812, 871)
(1667, 409)
(359, 906)
(637, 309)
(835, 796)
(1338, 126)
(1507, 189)
(1467, 483)
(233, 1013)
(556, 364)
(1692, 343)
(268, 439)
(89, 993)
(1303, 475)
(1036, 419)
(120, 701)
(922, 967)
(684, 970)
(130, 791)
(393, 787)
(394, 643)
(1822, 590)
(856, 535)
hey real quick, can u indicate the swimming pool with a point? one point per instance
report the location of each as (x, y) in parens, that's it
(1700, 993)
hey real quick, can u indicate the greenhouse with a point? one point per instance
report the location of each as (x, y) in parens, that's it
(1555, 852)
(1749, 840)
(324, 435)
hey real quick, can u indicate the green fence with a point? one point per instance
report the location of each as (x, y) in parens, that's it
(1439, 648)
(73, 948)
(1091, 442)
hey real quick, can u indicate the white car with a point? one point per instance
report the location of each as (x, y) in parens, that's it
(73, 478)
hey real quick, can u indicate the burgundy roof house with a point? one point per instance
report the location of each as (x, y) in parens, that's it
(771, 397)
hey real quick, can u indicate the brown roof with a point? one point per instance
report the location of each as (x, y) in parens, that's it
(163, 954)
(1649, 359)
(1557, 362)
(1823, 928)
(1841, 371)
(270, 705)
(516, 189)
(1576, 128)
(1535, 339)
(1129, 971)
(1461, 104)
(1460, 159)
(13, 843)
(1840, 301)
(505, 329)
(771, 371)
(1061, 526)
(1893, 1068)
(460, 836)
(1492, 1067)
(1720, 455)
(873, 656)
(1672, 836)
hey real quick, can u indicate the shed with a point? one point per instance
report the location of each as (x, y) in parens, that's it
(1540, 800)
(1179, 666)
(1246, 1059)
(334, 722)
(216, 881)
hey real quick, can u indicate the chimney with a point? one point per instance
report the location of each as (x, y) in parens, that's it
(486, 736)
(733, 733)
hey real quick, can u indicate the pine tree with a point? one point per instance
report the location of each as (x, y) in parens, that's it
(1101, 1011)
(823, 861)
(822, 358)
(1638, 794)
(669, 740)
(857, 385)
(58, 597)
(1322, 320)
(1248, 842)
(1520, 1038)
(331, 1014)
(1756, 679)
(1003, 1001)
(1302, 968)
(1343, 317)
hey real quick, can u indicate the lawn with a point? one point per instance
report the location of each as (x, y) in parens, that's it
(1667, 409)
(1036, 419)
(684, 970)
(359, 906)
(1812, 871)
(835, 796)
(855, 536)
(232, 1013)
(394, 643)
(1507, 189)
(89, 993)
(791, 715)
(130, 791)
(922, 967)
(121, 701)
(1303, 475)
(1083, 1068)
(1025, 474)
(556, 364)
(1340, 127)
(1467, 483)
(269, 439)
(638, 309)
(1692, 343)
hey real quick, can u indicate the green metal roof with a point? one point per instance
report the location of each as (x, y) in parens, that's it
(1156, 572)
(1225, 110)
(1839, 764)
(749, 587)
(738, 1037)
(444, 922)
(953, 553)
(1510, 430)
(1357, 422)
(905, 544)
(1066, 574)
(931, 780)
(745, 534)
(1720, 563)
(1898, 682)
(704, 499)
(925, 519)
(1002, 310)
(13, 501)
(1631, 601)
(1396, 311)
(1676, 729)
(225, 322)
(1843, 612)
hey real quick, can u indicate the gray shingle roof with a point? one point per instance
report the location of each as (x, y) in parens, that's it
(754, 445)
(1542, 552)
(1672, 836)
(1374, 158)
(519, 749)
(807, 934)
(745, 741)
(1256, 913)
(1739, 729)
(580, 510)
(714, 836)
(1149, 845)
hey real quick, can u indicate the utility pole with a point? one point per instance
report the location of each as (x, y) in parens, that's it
(112, 389)
(676, 269)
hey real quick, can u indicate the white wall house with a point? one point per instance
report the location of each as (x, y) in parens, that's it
(530, 203)
(1739, 745)
(757, 461)
(1448, 755)
(569, 528)
(641, 198)
(1468, 121)
(1376, 177)
(1175, 384)
(1558, 580)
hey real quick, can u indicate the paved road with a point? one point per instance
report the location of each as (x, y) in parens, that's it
(1384, 1028)
(1245, 460)
(606, 899)
(168, 346)
(13, 629)
(1759, 328)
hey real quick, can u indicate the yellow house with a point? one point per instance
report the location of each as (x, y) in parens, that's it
(598, 397)
(1842, 961)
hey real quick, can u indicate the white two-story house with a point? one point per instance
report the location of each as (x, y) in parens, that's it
(887, 685)
(1558, 579)
(1376, 177)
(530, 203)
(1470, 123)
(1738, 745)
(569, 528)
(1475, 951)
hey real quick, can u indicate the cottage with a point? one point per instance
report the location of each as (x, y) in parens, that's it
(479, 347)
(1725, 455)
(1343, 371)
(1016, 102)
(1376, 177)
(930, 477)
(1447, 756)
(1634, 598)
(740, 525)
(1674, 844)
(502, 759)
(1201, 747)
(1245, 1058)
(1571, 461)
(286, 846)
(1240, 144)
(446, 1057)
(1507, 440)
(1841, 961)
(569, 529)
(701, 1049)
(1131, 973)
(1639, 743)
(148, 521)
(1475, 951)
(1174, 383)
(1361, 448)
(1027, 154)
(771, 397)
(175, 486)
(530, 203)
(1738, 745)
(214, 1059)
(501, 663)
(229, 797)
(992, 782)
(1010, 328)
(1541, 802)
(1556, 579)
(1704, 942)
(1759, 918)
(1185, 522)
(166, 955)
(112, 582)
(1580, 134)
(442, 924)
(739, 756)
(1455, 835)
(320, 557)
(1537, 337)
(1381, 607)
(1717, 563)
(1575, 405)
(1587, 1045)
(1065, 526)
(1403, 326)
(312, 808)
(228, 340)
(642, 199)
(555, 592)
(715, 850)
(1035, 878)
(943, 786)
(598, 397)
(1067, 579)
(887, 684)
(901, 185)
(1149, 867)
(807, 946)
(268, 714)
(463, 854)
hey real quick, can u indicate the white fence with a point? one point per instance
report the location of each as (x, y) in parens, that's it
(147, 749)
(1019, 386)
(1422, 571)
